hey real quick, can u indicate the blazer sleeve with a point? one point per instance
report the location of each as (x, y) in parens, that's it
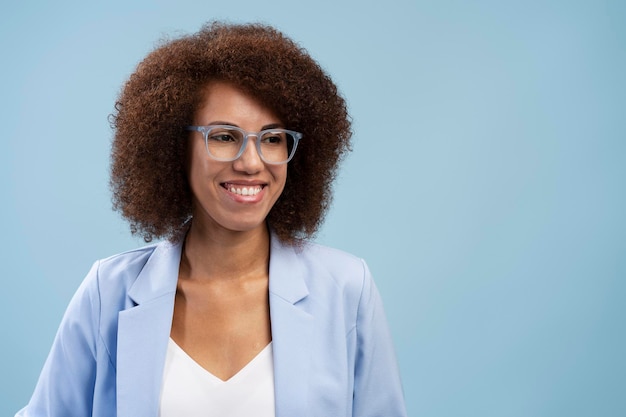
(66, 383)
(377, 385)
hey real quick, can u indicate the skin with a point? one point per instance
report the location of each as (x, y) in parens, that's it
(221, 310)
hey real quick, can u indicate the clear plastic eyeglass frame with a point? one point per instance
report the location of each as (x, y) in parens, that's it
(206, 130)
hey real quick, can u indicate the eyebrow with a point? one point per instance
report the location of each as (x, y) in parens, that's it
(266, 127)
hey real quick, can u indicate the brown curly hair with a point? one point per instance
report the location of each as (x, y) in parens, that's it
(148, 176)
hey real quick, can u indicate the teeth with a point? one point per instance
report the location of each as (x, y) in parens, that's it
(245, 190)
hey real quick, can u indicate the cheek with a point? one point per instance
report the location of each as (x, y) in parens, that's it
(280, 175)
(196, 161)
(190, 157)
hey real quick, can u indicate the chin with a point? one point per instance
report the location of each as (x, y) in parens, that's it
(245, 226)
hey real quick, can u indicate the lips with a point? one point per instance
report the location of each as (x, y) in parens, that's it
(244, 190)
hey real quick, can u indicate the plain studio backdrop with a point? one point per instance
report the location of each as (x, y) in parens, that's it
(486, 188)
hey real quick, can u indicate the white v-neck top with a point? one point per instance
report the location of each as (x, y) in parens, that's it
(190, 390)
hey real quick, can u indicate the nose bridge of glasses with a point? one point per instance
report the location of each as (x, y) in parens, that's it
(245, 144)
(255, 134)
(247, 138)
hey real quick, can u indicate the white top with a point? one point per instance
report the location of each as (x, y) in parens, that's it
(190, 390)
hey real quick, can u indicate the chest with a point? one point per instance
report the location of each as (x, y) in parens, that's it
(222, 327)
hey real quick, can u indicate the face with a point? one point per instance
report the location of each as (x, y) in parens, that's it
(237, 195)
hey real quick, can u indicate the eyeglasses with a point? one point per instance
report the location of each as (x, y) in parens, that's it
(227, 143)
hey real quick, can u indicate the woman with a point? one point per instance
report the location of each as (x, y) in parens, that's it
(226, 143)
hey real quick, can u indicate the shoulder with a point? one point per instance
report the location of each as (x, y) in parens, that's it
(335, 262)
(124, 266)
(347, 273)
(325, 272)
(112, 278)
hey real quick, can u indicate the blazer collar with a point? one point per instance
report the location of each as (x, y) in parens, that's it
(159, 275)
(287, 272)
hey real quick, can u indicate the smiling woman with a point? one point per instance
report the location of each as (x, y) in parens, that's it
(237, 313)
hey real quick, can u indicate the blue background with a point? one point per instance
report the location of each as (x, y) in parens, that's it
(485, 190)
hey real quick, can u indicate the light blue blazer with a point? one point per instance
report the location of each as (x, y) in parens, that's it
(333, 354)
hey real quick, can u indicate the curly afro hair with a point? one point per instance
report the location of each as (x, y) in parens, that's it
(148, 176)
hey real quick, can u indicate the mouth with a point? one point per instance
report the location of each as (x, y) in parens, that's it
(249, 190)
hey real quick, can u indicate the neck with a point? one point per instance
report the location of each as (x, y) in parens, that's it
(224, 254)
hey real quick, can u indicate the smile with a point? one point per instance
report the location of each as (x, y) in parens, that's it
(249, 191)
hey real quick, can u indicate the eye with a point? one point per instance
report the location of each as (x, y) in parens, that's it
(222, 137)
(273, 138)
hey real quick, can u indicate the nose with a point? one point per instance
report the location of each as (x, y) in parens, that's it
(250, 161)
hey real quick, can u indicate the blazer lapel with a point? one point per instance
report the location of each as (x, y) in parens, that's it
(291, 331)
(143, 333)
